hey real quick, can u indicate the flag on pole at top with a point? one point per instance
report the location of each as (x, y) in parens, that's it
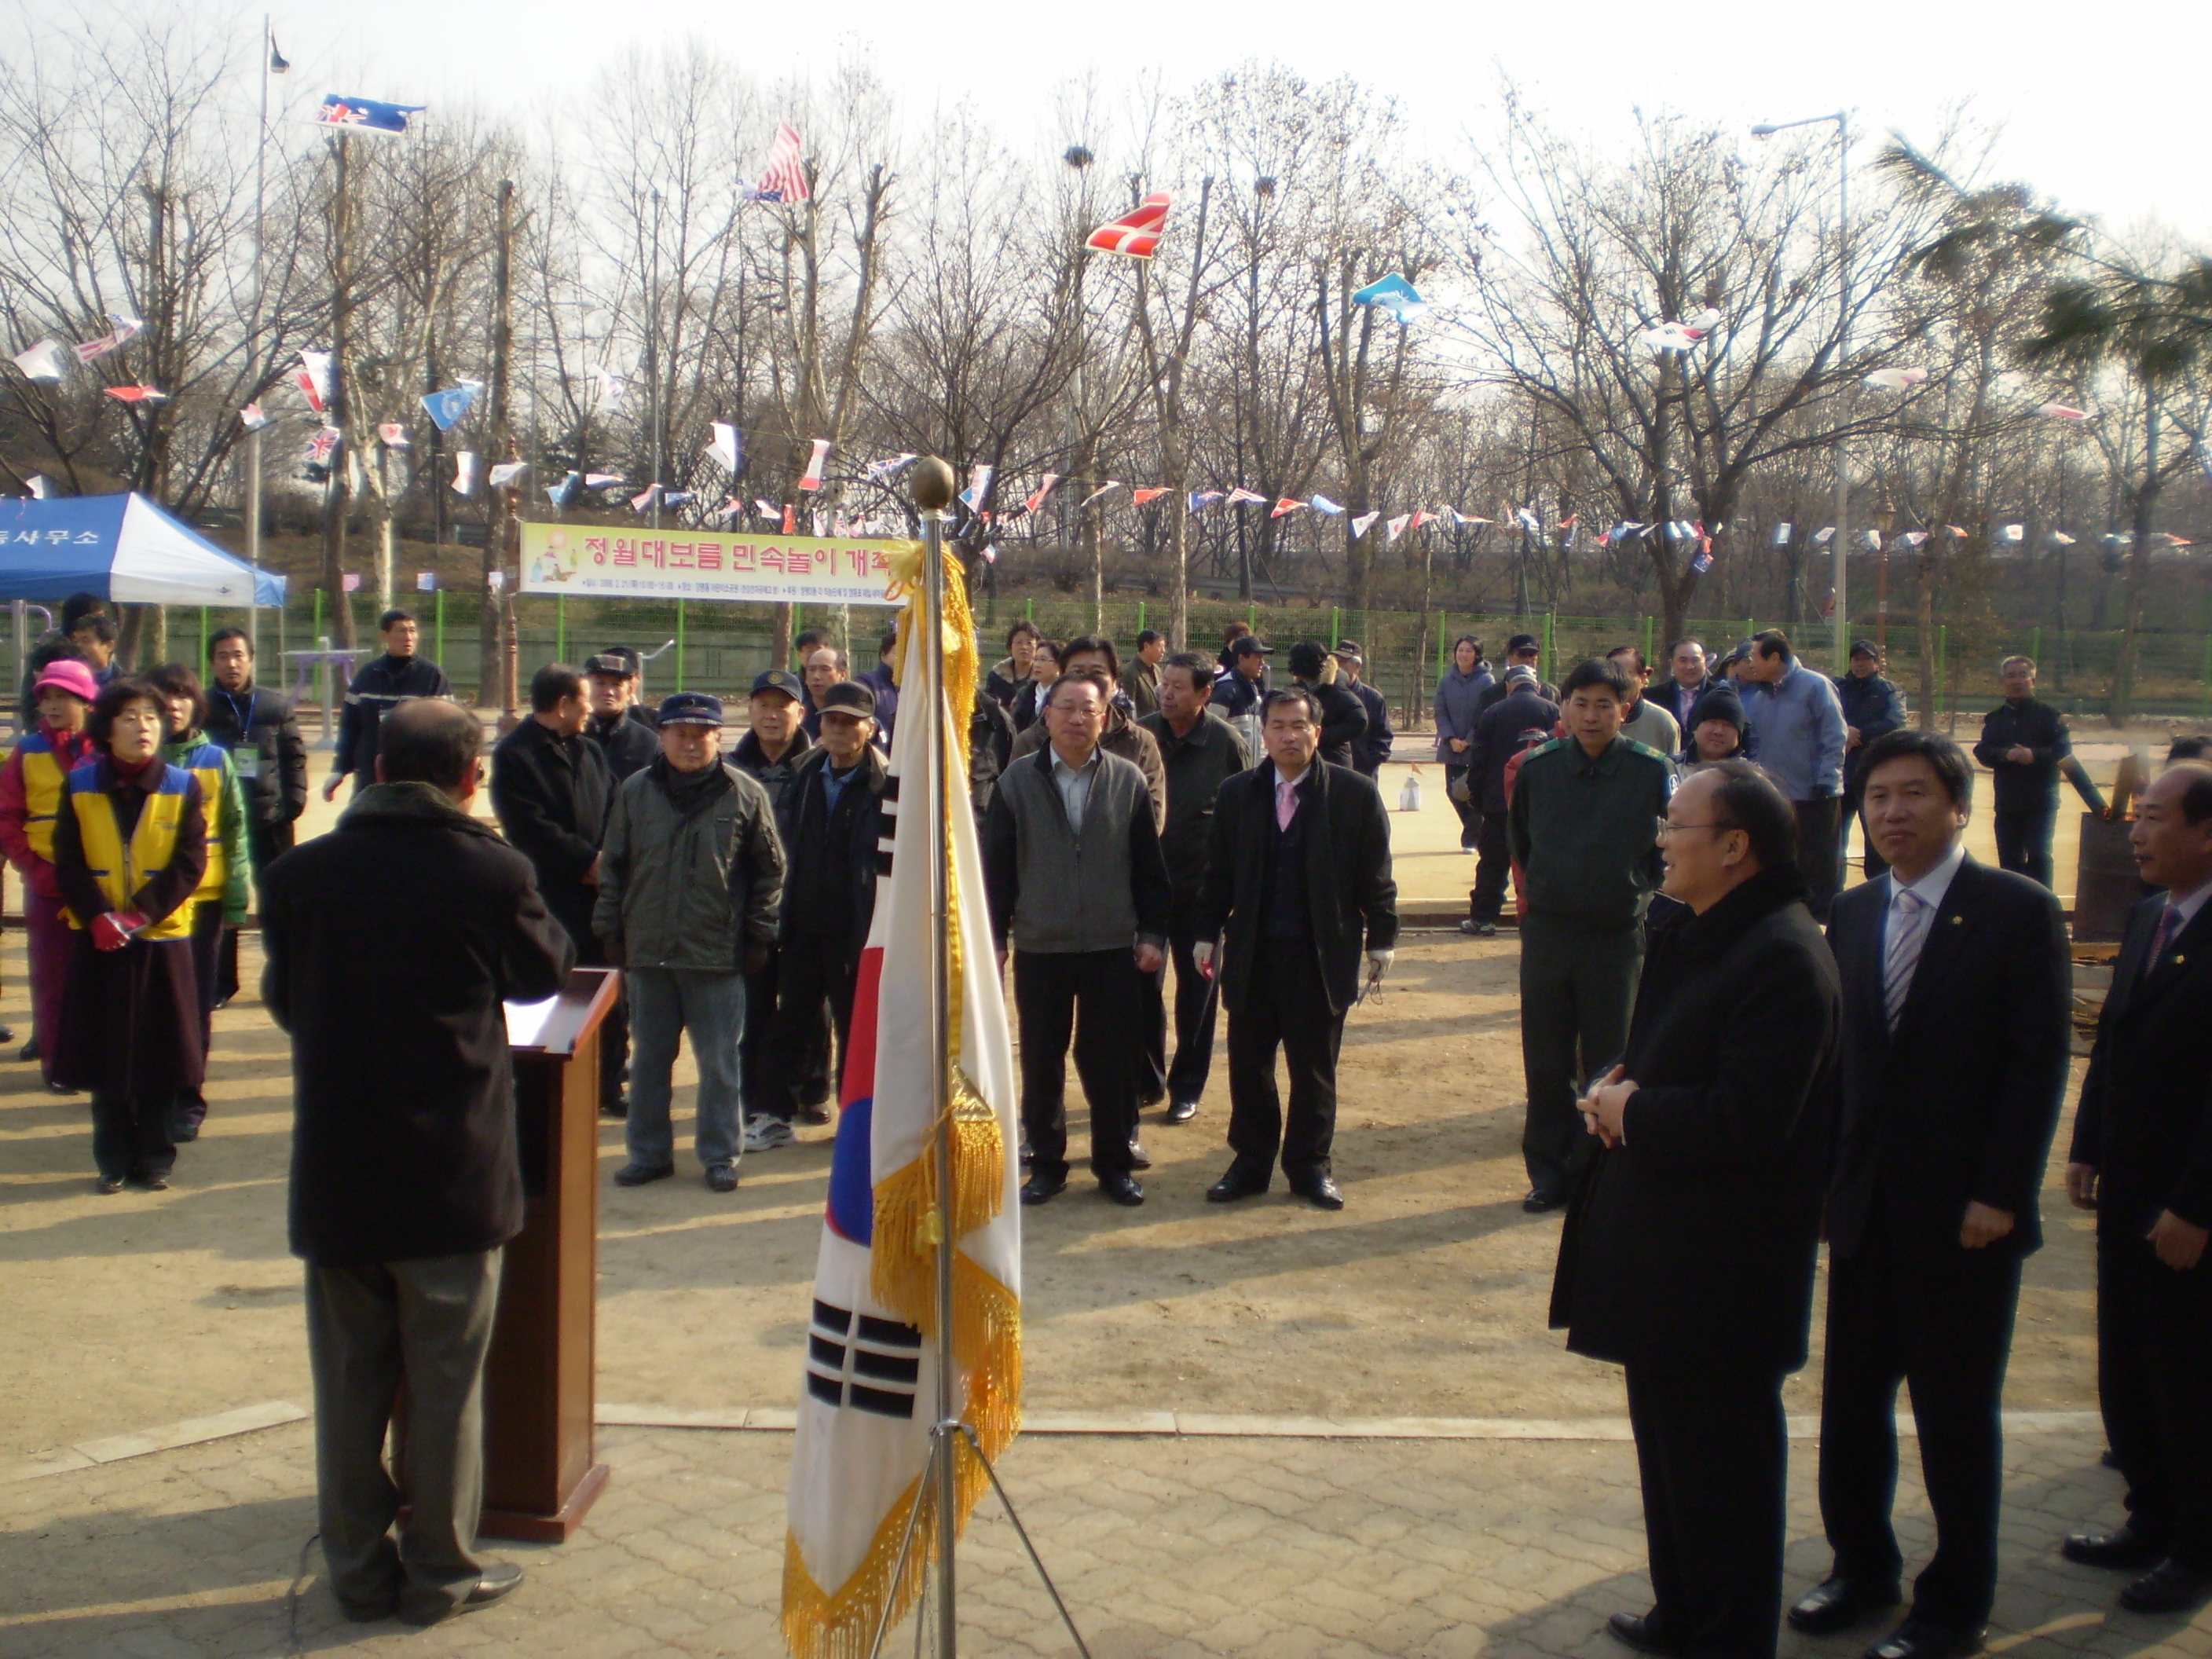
(784, 179)
(351, 114)
(869, 1391)
(278, 64)
(1136, 232)
(49, 360)
(447, 407)
(812, 480)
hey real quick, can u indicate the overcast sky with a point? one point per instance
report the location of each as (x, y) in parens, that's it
(2083, 119)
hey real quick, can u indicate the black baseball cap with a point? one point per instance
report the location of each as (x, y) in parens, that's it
(1349, 648)
(612, 662)
(1523, 642)
(632, 664)
(690, 708)
(849, 697)
(1866, 648)
(1251, 645)
(779, 679)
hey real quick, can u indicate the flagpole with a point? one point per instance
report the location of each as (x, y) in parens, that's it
(253, 437)
(932, 494)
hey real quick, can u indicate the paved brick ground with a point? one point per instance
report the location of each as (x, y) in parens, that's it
(1166, 1548)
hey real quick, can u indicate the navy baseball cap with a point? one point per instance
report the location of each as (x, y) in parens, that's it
(1251, 646)
(1522, 642)
(690, 708)
(613, 665)
(849, 697)
(779, 679)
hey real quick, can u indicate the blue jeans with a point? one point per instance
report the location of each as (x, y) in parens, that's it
(665, 1003)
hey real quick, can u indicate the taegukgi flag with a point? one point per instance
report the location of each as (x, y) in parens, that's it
(869, 1395)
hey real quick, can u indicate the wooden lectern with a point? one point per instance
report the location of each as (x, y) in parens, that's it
(539, 1475)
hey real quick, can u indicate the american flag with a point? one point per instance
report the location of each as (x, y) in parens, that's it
(783, 180)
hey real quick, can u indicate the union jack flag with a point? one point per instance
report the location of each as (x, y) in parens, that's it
(783, 180)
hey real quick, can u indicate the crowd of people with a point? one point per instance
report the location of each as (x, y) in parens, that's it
(1728, 1057)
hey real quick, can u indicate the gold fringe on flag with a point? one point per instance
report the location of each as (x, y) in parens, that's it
(903, 1271)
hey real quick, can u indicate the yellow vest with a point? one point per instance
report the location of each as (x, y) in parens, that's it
(121, 871)
(211, 765)
(43, 779)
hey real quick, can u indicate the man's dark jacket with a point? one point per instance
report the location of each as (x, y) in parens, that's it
(377, 689)
(1373, 748)
(2145, 1120)
(1197, 766)
(1678, 699)
(829, 858)
(1690, 1246)
(749, 758)
(990, 750)
(1959, 1104)
(2032, 786)
(262, 724)
(1874, 706)
(1351, 899)
(628, 743)
(391, 944)
(1234, 694)
(1343, 719)
(1496, 740)
(551, 795)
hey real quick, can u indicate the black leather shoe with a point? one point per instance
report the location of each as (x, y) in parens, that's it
(619, 1108)
(818, 1114)
(1320, 1192)
(721, 1178)
(642, 1175)
(2125, 1548)
(1138, 1158)
(2171, 1586)
(1026, 1156)
(497, 1582)
(1123, 1189)
(1923, 1638)
(1539, 1201)
(1038, 1189)
(1236, 1185)
(1181, 1111)
(1636, 1630)
(1839, 1604)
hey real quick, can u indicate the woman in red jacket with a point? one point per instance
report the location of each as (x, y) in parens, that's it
(31, 786)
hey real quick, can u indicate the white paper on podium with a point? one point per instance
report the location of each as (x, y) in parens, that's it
(526, 1023)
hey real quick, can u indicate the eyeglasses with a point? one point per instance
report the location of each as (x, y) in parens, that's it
(1667, 827)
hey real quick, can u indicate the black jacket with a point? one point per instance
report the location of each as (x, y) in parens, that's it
(1496, 693)
(1958, 1105)
(2031, 785)
(1197, 766)
(551, 794)
(262, 731)
(829, 858)
(1373, 748)
(376, 688)
(2145, 1120)
(1678, 699)
(1235, 695)
(1497, 739)
(1351, 899)
(391, 943)
(1690, 1246)
(771, 776)
(627, 742)
(990, 750)
(1343, 719)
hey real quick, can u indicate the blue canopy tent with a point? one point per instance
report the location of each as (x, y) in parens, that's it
(124, 548)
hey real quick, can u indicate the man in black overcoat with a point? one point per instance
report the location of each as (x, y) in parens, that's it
(406, 1180)
(2142, 1161)
(1297, 874)
(1957, 1027)
(1689, 1246)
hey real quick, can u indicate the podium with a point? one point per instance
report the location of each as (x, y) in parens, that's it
(539, 1474)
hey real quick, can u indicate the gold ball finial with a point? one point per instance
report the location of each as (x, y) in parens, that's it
(932, 484)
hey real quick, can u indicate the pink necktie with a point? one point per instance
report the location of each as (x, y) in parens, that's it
(2160, 939)
(1286, 803)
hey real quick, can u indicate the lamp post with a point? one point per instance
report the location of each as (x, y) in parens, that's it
(1841, 545)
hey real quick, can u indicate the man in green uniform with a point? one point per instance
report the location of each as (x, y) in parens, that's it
(1583, 827)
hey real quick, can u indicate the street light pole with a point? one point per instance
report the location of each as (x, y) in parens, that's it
(1839, 551)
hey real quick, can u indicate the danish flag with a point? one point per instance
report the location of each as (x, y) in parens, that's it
(1136, 233)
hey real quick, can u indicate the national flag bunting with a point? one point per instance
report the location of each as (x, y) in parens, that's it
(125, 330)
(1042, 492)
(1136, 232)
(446, 408)
(1146, 497)
(1396, 527)
(868, 1398)
(136, 394)
(728, 445)
(1321, 503)
(1364, 523)
(46, 361)
(1286, 506)
(464, 472)
(1106, 488)
(820, 458)
(1241, 494)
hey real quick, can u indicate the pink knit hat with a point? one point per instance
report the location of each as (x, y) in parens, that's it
(68, 675)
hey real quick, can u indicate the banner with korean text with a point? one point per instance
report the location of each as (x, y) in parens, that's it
(615, 562)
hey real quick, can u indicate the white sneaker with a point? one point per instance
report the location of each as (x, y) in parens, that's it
(763, 1132)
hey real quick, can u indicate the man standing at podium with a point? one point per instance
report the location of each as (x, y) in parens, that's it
(413, 895)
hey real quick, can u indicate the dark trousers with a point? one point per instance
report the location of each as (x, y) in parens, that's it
(809, 976)
(131, 1135)
(426, 1323)
(1713, 1451)
(1940, 1322)
(1197, 1005)
(1470, 815)
(264, 842)
(1493, 870)
(761, 1069)
(1819, 857)
(209, 935)
(1851, 817)
(1092, 999)
(2154, 1382)
(1152, 1053)
(1287, 1008)
(1577, 988)
(2024, 843)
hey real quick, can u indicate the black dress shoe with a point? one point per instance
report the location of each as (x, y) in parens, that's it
(1539, 1201)
(1320, 1192)
(642, 1175)
(1181, 1111)
(1839, 1604)
(2171, 1586)
(1026, 1156)
(1637, 1630)
(818, 1114)
(497, 1582)
(1040, 1189)
(614, 1109)
(1138, 1158)
(1923, 1638)
(2125, 1548)
(1123, 1189)
(1236, 1185)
